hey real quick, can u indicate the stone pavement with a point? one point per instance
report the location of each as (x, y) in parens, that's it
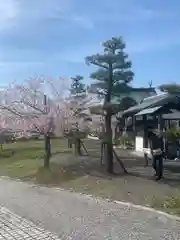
(14, 227)
(74, 216)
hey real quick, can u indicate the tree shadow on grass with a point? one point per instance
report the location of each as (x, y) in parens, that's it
(66, 151)
(54, 176)
(66, 167)
(135, 168)
(170, 178)
(6, 153)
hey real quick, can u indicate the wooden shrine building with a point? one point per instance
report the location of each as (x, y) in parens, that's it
(151, 113)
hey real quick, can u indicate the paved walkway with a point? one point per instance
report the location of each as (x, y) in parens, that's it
(14, 227)
(73, 216)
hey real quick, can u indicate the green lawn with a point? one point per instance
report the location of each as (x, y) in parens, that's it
(170, 204)
(24, 159)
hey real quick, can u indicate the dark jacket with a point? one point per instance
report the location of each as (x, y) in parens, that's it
(156, 142)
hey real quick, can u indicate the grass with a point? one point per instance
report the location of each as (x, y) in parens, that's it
(170, 204)
(24, 159)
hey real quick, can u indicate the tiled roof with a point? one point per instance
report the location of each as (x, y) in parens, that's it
(144, 89)
(175, 115)
(153, 101)
(148, 111)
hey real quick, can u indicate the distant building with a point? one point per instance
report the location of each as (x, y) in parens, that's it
(138, 94)
(96, 102)
(154, 113)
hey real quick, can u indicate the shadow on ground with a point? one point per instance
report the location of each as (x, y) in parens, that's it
(135, 165)
(84, 174)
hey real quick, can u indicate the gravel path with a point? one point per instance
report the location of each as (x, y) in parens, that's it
(73, 216)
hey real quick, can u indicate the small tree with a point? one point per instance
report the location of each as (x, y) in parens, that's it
(77, 124)
(77, 87)
(112, 77)
(78, 112)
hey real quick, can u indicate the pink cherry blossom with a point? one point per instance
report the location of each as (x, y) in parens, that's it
(31, 108)
(42, 106)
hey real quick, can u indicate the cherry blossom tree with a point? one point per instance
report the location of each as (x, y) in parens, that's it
(37, 105)
(5, 133)
(8, 126)
(41, 106)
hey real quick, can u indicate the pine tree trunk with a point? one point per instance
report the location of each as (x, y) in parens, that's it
(47, 146)
(109, 145)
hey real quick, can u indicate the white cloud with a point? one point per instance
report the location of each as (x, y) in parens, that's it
(65, 11)
(138, 13)
(20, 11)
(49, 9)
(124, 11)
(9, 10)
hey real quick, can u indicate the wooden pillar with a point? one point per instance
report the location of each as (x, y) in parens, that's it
(154, 121)
(134, 124)
(169, 123)
(134, 128)
(145, 131)
(160, 123)
(145, 140)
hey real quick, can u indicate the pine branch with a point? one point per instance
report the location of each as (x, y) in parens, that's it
(97, 60)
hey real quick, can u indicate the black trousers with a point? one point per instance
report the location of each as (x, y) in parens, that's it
(158, 165)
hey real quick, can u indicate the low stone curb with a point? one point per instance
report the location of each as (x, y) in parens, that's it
(127, 204)
(99, 199)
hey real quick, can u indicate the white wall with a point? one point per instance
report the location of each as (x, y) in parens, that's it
(139, 146)
(139, 143)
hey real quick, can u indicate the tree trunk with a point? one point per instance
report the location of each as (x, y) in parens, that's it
(47, 142)
(69, 143)
(78, 147)
(109, 145)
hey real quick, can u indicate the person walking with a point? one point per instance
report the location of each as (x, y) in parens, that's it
(156, 146)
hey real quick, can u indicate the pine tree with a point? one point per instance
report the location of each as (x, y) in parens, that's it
(112, 77)
(77, 87)
(171, 88)
(126, 103)
(79, 99)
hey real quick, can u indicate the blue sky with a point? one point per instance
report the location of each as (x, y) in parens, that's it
(52, 37)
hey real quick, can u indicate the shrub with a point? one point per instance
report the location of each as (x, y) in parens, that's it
(173, 134)
(74, 134)
(94, 134)
(125, 141)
